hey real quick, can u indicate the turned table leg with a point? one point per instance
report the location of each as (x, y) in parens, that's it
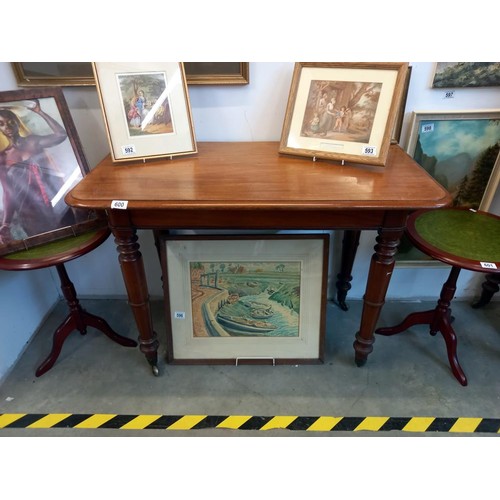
(350, 244)
(379, 276)
(132, 267)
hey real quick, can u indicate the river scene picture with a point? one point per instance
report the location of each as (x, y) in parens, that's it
(245, 298)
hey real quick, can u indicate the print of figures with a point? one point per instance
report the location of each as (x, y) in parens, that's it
(31, 180)
(146, 104)
(341, 110)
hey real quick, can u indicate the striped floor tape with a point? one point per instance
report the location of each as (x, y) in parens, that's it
(245, 422)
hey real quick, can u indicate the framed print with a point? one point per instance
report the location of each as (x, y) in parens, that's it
(58, 74)
(245, 299)
(146, 109)
(41, 159)
(460, 150)
(466, 74)
(217, 73)
(343, 111)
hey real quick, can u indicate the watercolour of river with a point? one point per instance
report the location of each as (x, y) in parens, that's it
(260, 299)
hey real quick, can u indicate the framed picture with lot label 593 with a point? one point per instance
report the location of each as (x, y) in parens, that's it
(245, 299)
(343, 111)
(146, 109)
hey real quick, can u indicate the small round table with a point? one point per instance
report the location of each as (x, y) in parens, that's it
(464, 239)
(56, 254)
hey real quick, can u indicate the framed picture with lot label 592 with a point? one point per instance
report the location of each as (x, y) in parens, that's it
(41, 159)
(343, 111)
(460, 149)
(245, 299)
(146, 109)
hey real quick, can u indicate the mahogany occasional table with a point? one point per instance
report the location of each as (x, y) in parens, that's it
(465, 239)
(249, 185)
(56, 254)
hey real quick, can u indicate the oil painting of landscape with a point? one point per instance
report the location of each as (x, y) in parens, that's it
(460, 152)
(466, 74)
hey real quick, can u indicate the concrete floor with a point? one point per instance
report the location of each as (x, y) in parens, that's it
(406, 375)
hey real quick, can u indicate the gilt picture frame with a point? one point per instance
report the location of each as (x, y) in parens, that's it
(343, 111)
(57, 74)
(258, 299)
(77, 74)
(146, 110)
(460, 149)
(217, 73)
(41, 160)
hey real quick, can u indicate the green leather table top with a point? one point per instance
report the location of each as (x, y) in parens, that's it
(462, 233)
(53, 248)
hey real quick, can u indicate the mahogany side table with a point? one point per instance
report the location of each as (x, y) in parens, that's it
(465, 239)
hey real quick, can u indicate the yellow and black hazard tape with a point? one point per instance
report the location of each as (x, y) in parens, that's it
(245, 422)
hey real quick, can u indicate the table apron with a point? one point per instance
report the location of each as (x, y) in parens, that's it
(257, 219)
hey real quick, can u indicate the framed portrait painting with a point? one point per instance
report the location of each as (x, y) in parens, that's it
(41, 159)
(343, 111)
(245, 299)
(460, 149)
(146, 109)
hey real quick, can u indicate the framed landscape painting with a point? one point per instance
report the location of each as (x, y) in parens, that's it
(245, 299)
(343, 111)
(466, 74)
(460, 149)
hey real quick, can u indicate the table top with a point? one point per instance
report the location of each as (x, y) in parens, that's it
(253, 175)
(458, 236)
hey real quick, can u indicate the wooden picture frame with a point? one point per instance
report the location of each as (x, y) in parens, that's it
(217, 73)
(146, 109)
(245, 299)
(41, 159)
(398, 125)
(343, 111)
(67, 74)
(460, 149)
(466, 75)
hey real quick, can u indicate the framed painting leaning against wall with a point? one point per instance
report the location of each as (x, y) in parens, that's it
(41, 159)
(245, 299)
(460, 149)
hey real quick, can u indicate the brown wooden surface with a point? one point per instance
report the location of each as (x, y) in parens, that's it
(249, 185)
(252, 175)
